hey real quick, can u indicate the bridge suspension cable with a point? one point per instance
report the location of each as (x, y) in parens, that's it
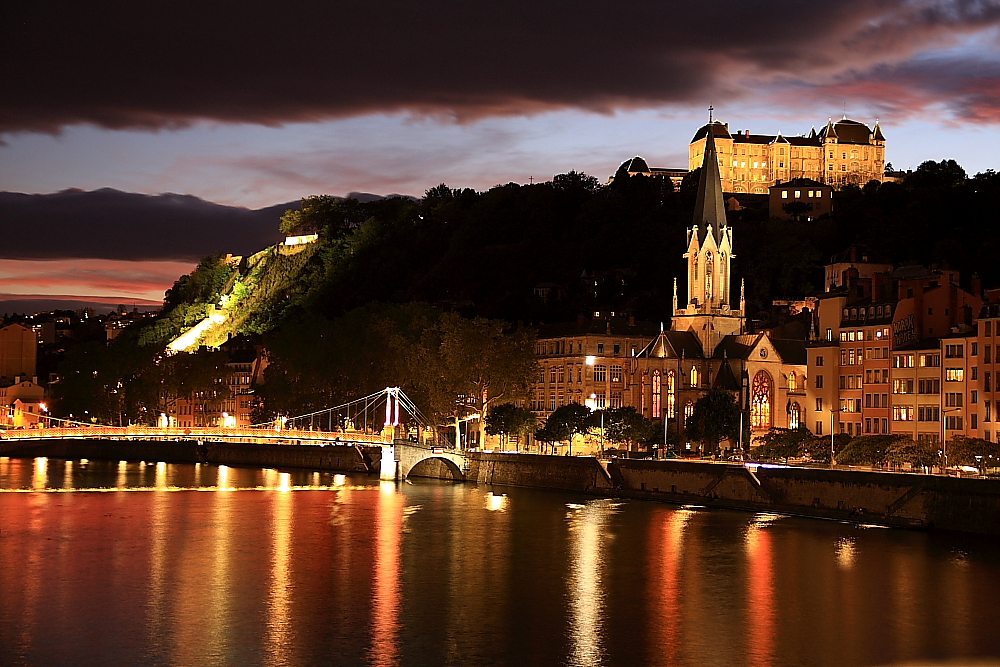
(372, 413)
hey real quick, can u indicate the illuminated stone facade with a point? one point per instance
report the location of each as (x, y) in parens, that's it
(843, 152)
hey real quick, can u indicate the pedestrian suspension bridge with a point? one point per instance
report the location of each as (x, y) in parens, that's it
(386, 419)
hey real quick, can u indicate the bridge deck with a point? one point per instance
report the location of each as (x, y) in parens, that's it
(210, 433)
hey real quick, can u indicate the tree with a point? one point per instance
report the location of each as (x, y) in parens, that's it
(918, 454)
(622, 426)
(797, 209)
(565, 422)
(462, 365)
(976, 452)
(872, 450)
(716, 417)
(781, 444)
(323, 212)
(507, 419)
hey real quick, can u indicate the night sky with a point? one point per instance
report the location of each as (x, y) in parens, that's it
(256, 104)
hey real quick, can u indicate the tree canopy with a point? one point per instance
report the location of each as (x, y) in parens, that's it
(716, 417)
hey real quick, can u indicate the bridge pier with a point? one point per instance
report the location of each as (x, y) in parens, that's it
(389, 469)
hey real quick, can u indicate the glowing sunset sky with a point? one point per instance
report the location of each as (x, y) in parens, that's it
(253, 104)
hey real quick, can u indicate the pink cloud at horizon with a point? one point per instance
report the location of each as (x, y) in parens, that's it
(92, 279)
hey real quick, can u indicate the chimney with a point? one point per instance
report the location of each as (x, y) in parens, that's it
(580, 320)
(977, 286)
(17, 379)
(34, 379)
(631, 320)
(607, 328)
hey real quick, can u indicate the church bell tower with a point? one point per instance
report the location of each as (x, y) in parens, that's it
(709, 312)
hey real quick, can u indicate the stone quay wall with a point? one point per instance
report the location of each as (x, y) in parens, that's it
(928, 502)
(568, 473)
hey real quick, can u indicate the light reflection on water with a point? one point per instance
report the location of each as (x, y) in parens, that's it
(153, 563)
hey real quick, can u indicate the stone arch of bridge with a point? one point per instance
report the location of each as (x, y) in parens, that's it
(400, 458)
(438, 467)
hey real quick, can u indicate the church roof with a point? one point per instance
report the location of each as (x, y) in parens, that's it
(736, 347)
(710, 208)
(673, 344)
(726, 378)
(790, 351)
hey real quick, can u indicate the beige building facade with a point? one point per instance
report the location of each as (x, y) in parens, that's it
(842, 153)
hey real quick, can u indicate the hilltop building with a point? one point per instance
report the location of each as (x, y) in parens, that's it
(842, 153)
(800, 198)
(637, 166)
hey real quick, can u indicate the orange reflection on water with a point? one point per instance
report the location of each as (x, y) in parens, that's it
(384, 651)
(39, 477)
(667, 550)
(589, 525)
(278, 642)
(760, 591)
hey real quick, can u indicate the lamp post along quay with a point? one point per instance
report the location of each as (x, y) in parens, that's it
(944, 438)
(833, 434)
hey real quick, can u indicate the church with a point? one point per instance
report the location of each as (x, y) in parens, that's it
(707, 346)
(613, 361)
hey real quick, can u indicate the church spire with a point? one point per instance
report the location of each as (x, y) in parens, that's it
(710, 209)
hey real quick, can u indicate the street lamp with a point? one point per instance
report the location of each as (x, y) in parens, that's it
(833, 411)
(593, 400)
(944, 437)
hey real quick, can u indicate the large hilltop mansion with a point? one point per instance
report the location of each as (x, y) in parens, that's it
(844, 152)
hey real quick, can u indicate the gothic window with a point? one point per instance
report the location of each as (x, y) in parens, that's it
(694, 376)
(708, 277)
(792, 381)
(723, 278)
(671, 394)
(794, 416)
(688, 411)
(760, 401)
(656, 394)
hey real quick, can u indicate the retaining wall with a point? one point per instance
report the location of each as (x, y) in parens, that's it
(890, 499)
(570, 473)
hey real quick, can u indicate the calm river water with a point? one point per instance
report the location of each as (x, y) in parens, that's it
(163, 564)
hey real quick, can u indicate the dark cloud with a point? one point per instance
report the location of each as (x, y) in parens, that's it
(159, 65)
(964, 89)
(110, 224)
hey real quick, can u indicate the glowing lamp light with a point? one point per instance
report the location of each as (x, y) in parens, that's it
(228, 420)
(591, 359)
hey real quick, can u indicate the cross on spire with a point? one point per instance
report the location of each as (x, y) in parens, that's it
(710, 110)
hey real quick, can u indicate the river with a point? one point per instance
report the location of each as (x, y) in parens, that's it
(107, 563)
